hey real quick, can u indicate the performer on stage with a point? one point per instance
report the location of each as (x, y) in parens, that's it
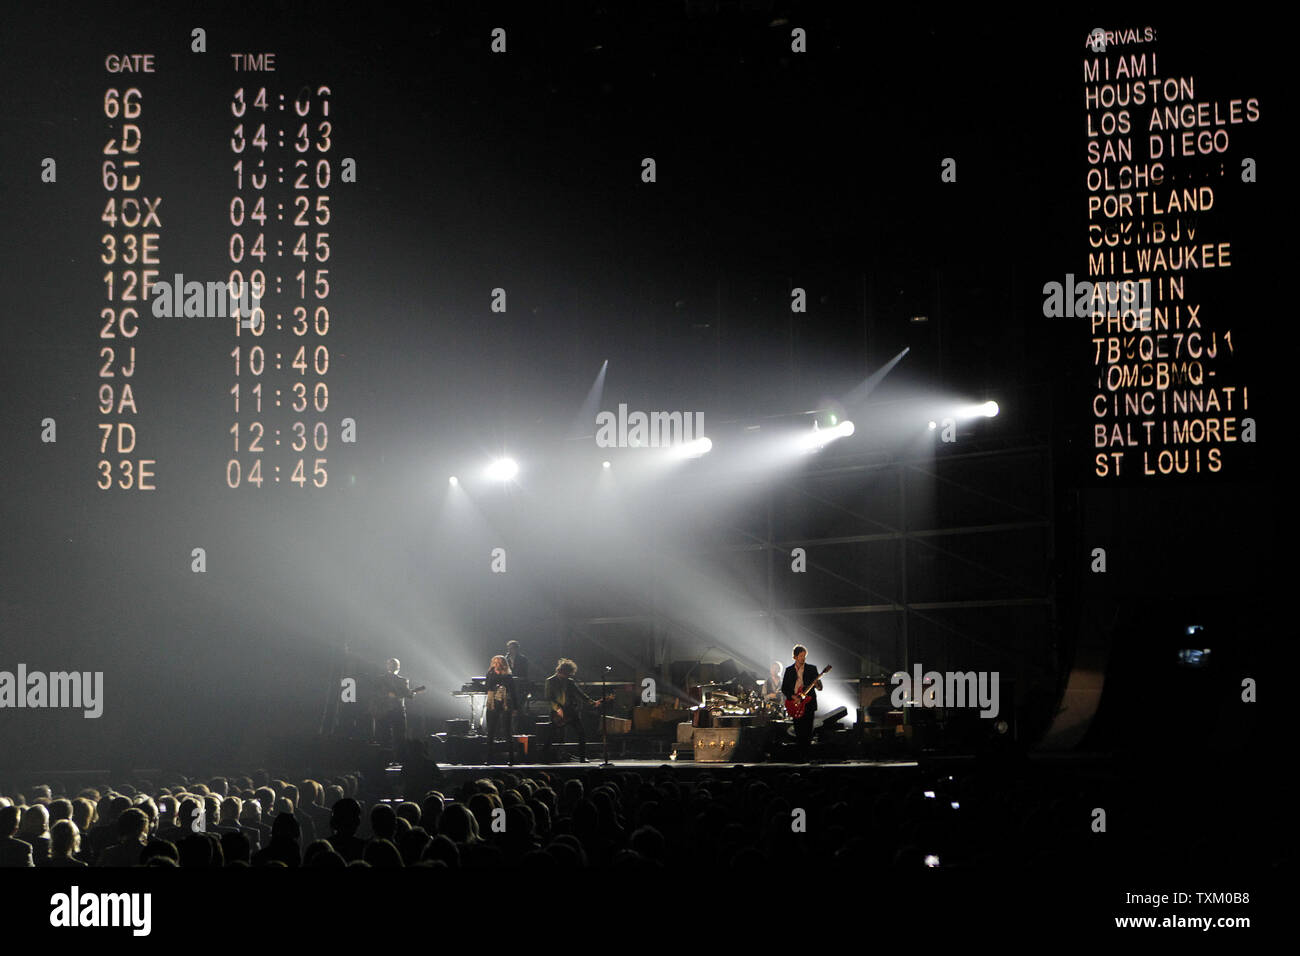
(502, 705)
(567, 700)
(516, 660)
(772, 689)
(794, 683)
(518, 665)
(391, 722)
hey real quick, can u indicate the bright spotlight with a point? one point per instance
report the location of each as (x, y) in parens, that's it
(606, 465)
(820, 437)
(693, 449)
(453, 481)
(985, 410)
(933, 425)
(503, 469)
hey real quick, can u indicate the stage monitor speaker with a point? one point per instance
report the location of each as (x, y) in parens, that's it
(828, 722)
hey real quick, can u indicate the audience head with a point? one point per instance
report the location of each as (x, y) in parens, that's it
(65, 839)
(35, 822)
(345, 818)
(132, 826)
(286, 827)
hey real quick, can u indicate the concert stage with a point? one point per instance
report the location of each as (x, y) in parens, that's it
(320, 756)
(634, 764)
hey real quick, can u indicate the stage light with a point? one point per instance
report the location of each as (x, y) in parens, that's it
(606, 465)
(692, 449)
(503, 469)
(933, 425)
(820, 437)
(453, 481)
(985, 410)
(1194, 657)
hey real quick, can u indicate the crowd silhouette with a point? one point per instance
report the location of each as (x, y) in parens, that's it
(883, 819)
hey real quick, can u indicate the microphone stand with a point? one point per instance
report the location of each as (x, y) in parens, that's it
(604, 724)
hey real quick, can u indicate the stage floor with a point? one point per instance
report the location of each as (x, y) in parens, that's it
(655, 764)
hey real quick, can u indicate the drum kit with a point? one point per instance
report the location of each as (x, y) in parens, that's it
(724, 703)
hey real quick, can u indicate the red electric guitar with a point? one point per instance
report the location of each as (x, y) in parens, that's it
(794, 705)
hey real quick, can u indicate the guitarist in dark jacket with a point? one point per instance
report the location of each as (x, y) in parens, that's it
(393, 692)
(801, 676)
(566, 699)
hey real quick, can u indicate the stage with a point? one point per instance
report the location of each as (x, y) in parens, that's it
(575, 767)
